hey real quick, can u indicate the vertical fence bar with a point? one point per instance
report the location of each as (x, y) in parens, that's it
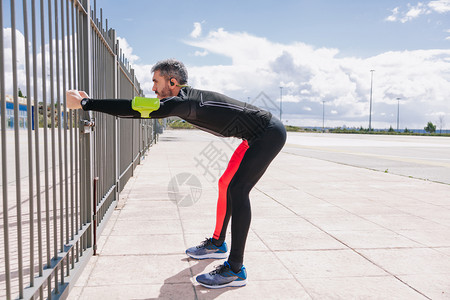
(58, 122)
(69, 86)
(94, 215)
(116, 147)
(46, 162)
(17, 149)
(4, 164)
(76, 71)
(80, 32)
(75, 85)
(37, 148)
(30, 148)
(65, 128)
(53, 141)
(86, 85)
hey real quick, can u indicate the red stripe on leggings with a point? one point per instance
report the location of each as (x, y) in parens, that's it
(224, 181)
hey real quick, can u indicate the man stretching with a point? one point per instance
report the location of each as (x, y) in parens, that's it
(263, 137)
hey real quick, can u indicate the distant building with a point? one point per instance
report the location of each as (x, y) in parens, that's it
(23, 120)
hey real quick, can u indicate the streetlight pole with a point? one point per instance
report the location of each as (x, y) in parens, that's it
(281, 101)
(370, 112)
(323, 116)
(398, 112)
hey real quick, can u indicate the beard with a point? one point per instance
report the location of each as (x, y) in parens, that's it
(164, 93)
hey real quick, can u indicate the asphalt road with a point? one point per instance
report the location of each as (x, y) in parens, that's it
(423, 157)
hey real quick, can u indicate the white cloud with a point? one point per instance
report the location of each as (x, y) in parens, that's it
(143, 72)
(201, 53)
(394, 16)
(440, 6)
(415, 11)
(127, 50)
(310, 75)
(291, 98)
(197, 32)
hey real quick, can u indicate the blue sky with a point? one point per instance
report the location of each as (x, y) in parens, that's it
(321, 53)
(317, 50)
(157, 29)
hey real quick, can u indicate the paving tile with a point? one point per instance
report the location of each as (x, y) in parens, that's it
(197, 212)
(140, 269)
(380, 238)
(254, 243)
(136, 227)
(371, 208)
(401, 222)
(299, 240)
(131, 291)
(321, 210)
(75, 293)
(290, 224)
(438, 214)
(444, 250)
(410, 261)
(144, 244)
(434, 286)
(274, 289)
(327, 263)
(152, 213)
(270, 212)
(430, 238)
(85, 275)
(147, 205)
(373, 287)
(264, 266)
(205, 225)
(343, 222)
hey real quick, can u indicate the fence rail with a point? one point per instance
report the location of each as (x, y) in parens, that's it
(51, 212)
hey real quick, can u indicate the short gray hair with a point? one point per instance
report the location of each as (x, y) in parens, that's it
(171, 67)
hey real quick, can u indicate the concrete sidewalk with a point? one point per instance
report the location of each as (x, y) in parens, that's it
(320, 230)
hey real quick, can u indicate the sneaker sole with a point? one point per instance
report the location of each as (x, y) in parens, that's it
(231, 284)
(209, 256)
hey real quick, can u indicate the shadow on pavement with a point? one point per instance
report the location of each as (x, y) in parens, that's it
(173, 289)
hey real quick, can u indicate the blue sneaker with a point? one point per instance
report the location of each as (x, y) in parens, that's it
(208, 250)
(222, 277)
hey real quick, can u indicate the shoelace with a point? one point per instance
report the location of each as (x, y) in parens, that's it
(219, 269)
(205, 243)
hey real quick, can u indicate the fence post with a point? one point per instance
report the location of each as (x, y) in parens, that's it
(116, 121)
(133, 125)
(86, 140)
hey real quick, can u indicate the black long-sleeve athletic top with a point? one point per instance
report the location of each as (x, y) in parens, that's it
(209, 111)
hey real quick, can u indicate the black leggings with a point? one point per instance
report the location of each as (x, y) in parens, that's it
(260, 153)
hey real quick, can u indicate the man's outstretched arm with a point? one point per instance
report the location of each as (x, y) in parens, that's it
(136, 108)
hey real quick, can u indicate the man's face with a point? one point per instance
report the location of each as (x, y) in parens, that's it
(161, 86)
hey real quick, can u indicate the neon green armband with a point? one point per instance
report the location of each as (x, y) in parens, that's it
(145, 105)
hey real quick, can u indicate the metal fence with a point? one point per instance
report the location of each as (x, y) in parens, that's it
(60, 181)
